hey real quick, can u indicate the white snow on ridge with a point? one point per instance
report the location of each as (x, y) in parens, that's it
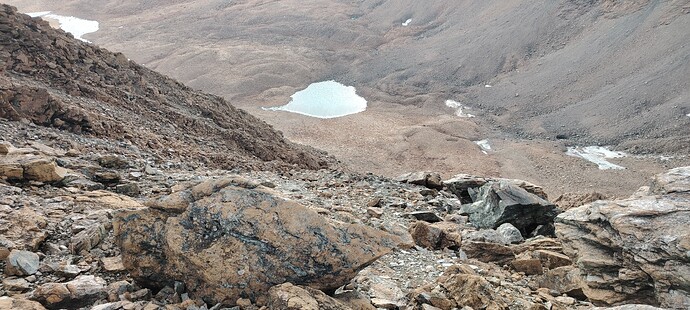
(458, 108)
(597, 155)
(484, 144)
(76, 26)
(328, 99)
(38, 14)
(407, 22)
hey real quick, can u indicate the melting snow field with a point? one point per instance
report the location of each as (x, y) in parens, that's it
(76, 26)
(484, 144)
(458, 108)
(327, 99)
(597, 155)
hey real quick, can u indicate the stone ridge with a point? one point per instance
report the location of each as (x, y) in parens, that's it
(53, 80)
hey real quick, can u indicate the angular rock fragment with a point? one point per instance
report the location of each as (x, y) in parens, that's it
(80, 292)
(502, 202)
(232, 238)
(290, 297)
(21, 263)
(12, 303)
(436, 236)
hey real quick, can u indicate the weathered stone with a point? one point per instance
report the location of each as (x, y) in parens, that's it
(232, 238)
(552, 260)
(436, 236)
(501, 202)
(21, 263)
(112, 264)
(129, 189)
(486, 235)
(528, 265)
(488, 251)
(629, 307)
(568, 201)
(107, 177)
(83, 184)
(117, 289)
(11, 171)
(375, 212)
(423, 178)
(5, 147)
(510, 233)
(87, 239)
(11, 303)
(427, 216)
(355, 300)
(464, 186)
(290, 297)
(635, 250)
(113, 162)
(24, 229)
(473, 291)
(563, 280)
(80, 292)
(16, 285)
(42, 170)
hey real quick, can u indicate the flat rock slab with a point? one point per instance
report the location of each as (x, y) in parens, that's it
(229, 239)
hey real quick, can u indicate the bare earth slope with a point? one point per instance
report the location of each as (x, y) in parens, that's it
(53, 81)
(590, 72)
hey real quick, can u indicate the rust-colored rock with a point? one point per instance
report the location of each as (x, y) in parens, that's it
(290, 297)
(436, 236)
(235, 239)
(635, 250)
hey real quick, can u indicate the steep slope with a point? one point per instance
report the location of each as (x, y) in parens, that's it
(53, 80)
(563, 73)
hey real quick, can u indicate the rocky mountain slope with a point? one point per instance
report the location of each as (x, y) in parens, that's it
(563, 73)
(106, 203)
(51, 80)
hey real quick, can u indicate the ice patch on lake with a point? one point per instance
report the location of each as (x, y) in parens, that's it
(76, 26)
(407, 22)
(327, 99)
(458, 108)
(484, 145)
(597, 155)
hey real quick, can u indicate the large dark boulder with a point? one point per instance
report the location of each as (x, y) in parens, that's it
(496, 203)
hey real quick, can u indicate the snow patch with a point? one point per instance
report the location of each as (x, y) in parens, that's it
(458, 108)
(76, 26)
(597, 155)
(328, 99)
(487, 86)
(484, 145)
(407, 22)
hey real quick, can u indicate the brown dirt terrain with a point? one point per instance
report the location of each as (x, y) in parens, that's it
(590, 72)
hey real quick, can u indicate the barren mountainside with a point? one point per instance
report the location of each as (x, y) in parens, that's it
(562, 73)
(122, 189)
(55, 81)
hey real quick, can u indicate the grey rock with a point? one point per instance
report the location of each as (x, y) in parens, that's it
(427, 216)
(129, 189)
(510, 233)
(503, 202)
(21, 263)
